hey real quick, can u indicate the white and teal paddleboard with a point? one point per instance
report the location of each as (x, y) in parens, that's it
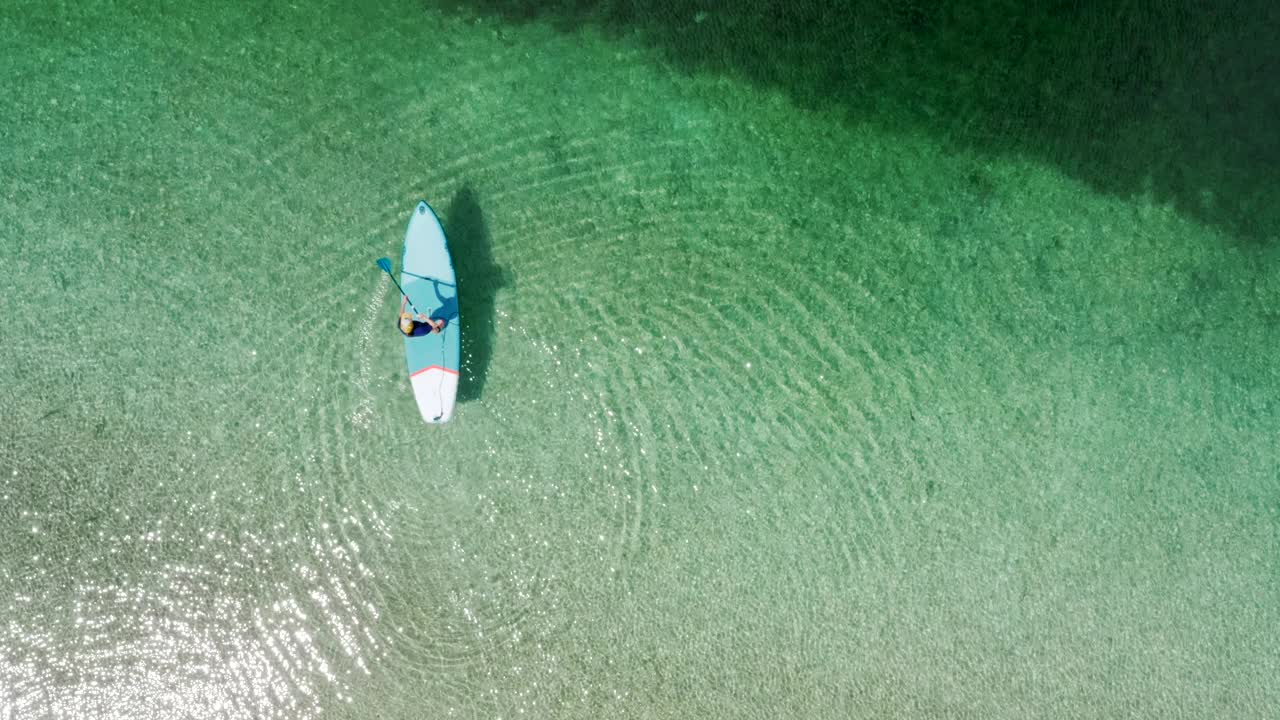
(426, 275)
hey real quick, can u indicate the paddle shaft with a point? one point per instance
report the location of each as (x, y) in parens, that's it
(402, 292)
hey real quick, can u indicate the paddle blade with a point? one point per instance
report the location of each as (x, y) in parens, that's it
(385, 264)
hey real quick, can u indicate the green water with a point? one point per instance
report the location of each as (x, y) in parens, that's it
(867, 390)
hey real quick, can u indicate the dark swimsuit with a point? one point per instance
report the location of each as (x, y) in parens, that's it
(420, 329)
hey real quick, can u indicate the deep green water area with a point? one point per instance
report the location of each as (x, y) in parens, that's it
(821, 360)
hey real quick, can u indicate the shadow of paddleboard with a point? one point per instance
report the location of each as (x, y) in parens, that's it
(479, 279)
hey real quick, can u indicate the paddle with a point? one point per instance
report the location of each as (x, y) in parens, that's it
(385, 264)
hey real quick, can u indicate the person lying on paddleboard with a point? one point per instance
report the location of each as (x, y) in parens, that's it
(418, 325)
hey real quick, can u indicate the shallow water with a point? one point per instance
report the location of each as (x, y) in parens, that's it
(771, 408)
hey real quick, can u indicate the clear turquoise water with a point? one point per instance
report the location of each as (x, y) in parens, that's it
(773, 407)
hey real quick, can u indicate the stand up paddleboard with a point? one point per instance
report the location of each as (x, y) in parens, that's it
(426, 275)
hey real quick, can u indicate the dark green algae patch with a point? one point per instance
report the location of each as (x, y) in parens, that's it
(1175, 101)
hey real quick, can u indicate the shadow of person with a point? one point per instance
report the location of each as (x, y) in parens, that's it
(448, 310)
(479, 279)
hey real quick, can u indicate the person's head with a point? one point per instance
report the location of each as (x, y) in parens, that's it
(406, 323)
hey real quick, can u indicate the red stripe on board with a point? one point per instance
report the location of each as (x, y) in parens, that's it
(434, 367)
